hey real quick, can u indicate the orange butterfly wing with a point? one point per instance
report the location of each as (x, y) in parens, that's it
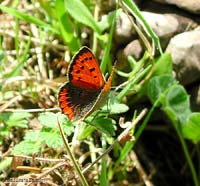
(84, 71)
(86, 89)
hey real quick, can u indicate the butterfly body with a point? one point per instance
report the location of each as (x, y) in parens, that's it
(86, 89)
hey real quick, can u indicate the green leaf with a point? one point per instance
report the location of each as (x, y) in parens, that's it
(26, 17)
(48, 119)
(16, 119)
(163, 65)
(51, 139)
(158, 85)
(68, 127)
(65, 27)
(173, 97)
(105, 125)
(26, 148)
(178, 100)
(191, 129)
(87, 131)
(81, 13)
(32, 135)
(171, 115)
(114, 106)
(118, 108)
(49, 10)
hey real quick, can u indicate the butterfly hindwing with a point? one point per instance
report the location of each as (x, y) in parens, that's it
(75, 101)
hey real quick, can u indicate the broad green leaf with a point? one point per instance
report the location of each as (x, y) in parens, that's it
(17, 119)
(48, 119)
(163, 65)
(158, 86)
(178, 100)
(26, 148)
(114, 106)
(191, 129)
(81, 13)
(51, 139)
(87, 131)
(118, 108)
(105, 125)
(67, 126)
(171, 115)
(32, 135)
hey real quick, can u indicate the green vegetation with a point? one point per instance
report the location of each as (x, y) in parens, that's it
(29, 86)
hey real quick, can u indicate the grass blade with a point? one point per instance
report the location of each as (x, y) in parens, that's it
(26, 17)
(65, 27)
(136, 13)
(80, 12)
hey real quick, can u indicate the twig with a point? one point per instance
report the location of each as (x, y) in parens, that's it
(37, 158)
(50, 170)
(7, 104)
(32, 110)
(140, 169)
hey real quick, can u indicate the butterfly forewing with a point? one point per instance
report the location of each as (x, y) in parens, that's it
(84, 71)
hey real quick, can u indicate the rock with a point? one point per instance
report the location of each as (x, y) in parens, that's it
(195, 98)
(162, 24)
(192, 6)
(124, 31)
(167, 25)
(184, 49)
(134, 49)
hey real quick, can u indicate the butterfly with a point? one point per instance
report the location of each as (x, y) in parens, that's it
(86, 89)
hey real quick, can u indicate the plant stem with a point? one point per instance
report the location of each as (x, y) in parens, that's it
(187, 155)
(77, 168)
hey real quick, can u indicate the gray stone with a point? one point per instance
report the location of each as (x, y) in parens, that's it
(195, 98)
(124, 31)
(184, 49)
(189, 5)
(134, 49)
(167, 25)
